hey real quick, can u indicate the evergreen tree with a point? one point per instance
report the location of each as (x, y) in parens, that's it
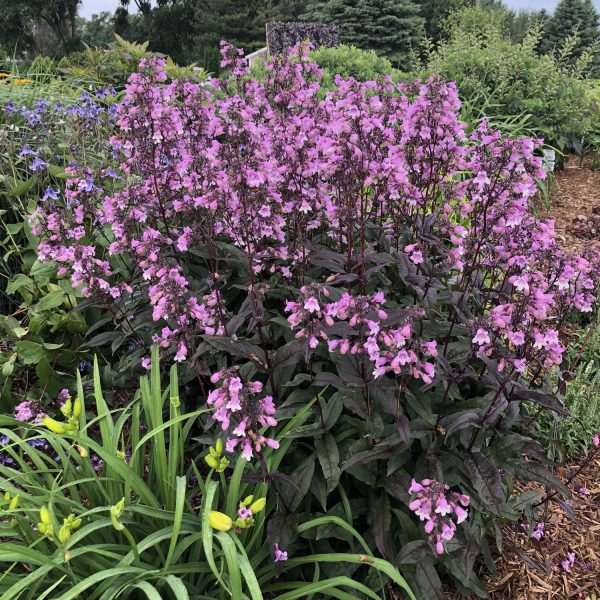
(570, 17)
(436, 13)
(390, 27)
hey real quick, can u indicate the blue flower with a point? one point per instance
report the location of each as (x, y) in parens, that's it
(111, 173)
(27, 151)
(42, 105)
(50, 194)
(38, 164)
(37, 443)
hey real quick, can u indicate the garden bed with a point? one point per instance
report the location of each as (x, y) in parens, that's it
(530, 569)
(575, 204)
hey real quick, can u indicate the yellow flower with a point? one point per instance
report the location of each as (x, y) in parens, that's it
(220, 521)
(5, 75)
(258, 505)
(54, 426)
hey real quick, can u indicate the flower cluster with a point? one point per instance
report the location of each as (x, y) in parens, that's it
(242, 409)
(430, 502)
(29, 411)
(358, 324)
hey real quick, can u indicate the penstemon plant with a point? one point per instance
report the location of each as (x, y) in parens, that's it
(356, 253)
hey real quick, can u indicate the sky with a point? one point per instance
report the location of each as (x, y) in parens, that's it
(89, 7)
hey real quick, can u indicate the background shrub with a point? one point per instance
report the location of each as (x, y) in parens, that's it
(349, 61)
(500, 79)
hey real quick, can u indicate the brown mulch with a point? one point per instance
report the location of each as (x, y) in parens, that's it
(575, 204)
(531, 570)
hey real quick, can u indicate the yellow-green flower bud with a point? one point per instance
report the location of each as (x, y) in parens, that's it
(45, 516)
(77, 408)
(115, 513)
(220, 521)
(66, 408)
(54, 426)
(14, 503)
(64, 534)
(219, 447)
(257, 506)
(247, 500)
(211, 461)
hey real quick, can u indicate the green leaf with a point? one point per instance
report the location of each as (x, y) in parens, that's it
(8, 368)
(57, 172)
(22, 187)
(526, 499)
(149, 590)
(42, 272)
(14, 228)
(179, 590)
(50, 301)
(17, 282)
(329, 459)
(30, 353)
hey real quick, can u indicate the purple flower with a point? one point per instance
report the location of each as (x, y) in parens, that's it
(482, 337)
(27, 151)
(111, 173)
(244, 513)
(38, 165)
(430, 502)
(279, 555)
(538, 532)
(50, 193)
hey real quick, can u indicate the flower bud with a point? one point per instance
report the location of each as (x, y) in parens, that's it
(54, 426)
(219, 447)
(220, 521)
(82, 451)
(66, 408)
(64, 534)
(14, 503)
(77, 407)
(258, 505)
(211, 461)
(45, 517)
(115, 513)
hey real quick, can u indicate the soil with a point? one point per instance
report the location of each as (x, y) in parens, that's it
(575, 204)
(529, 569)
